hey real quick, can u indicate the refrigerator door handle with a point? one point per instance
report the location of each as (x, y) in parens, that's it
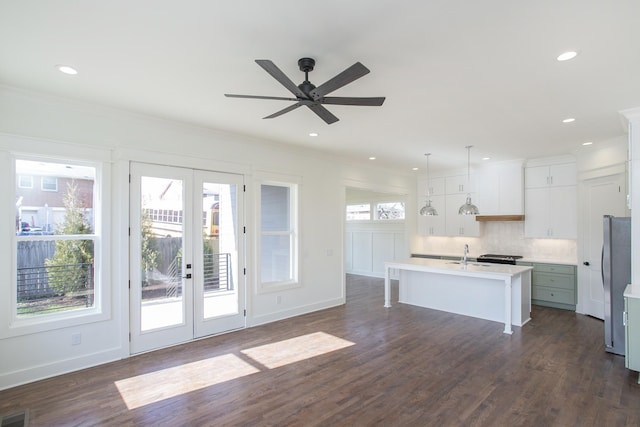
(602, 265)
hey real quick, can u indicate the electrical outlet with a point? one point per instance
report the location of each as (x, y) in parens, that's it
(279, 299)
(76, 339)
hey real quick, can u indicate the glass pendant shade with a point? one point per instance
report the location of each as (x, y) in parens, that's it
(468, 208)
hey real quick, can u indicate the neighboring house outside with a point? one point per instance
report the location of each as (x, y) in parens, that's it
(40, 201)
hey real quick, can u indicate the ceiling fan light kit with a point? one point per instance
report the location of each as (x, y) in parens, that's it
(310, 96)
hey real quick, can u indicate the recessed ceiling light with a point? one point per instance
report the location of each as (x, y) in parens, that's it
(313, 133)
(414, 169)
(372, 158)
(67, 69)
(567, 56)
(486, 158)
(569, 120)
(587, 143)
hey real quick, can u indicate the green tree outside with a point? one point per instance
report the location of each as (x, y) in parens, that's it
(71, 266)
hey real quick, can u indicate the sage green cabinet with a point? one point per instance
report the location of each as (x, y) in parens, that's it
(553, 285)
(632, 330)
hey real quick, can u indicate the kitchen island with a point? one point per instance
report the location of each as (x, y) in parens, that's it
(497, 292)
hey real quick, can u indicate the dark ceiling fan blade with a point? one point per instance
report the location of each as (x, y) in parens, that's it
(281, 77)
(338, 100)
(323, 113)
(284, 110)
(278, 98)
(352, 73)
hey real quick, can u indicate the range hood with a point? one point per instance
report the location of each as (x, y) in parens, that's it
(485, 218)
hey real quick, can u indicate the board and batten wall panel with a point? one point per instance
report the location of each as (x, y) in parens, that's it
(369, 246)
(362, 251)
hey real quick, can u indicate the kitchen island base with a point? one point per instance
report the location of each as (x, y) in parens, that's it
(497, 293)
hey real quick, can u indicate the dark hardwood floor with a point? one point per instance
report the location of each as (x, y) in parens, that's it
(356, 365)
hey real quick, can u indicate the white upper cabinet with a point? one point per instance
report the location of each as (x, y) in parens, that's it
(432, 225)
(436, 187)
(456, 224)
(550, 175)
(500, 189)
(448, 222)
(551, 201)
(460, 184)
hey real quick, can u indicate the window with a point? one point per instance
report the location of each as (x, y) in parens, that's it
(390, 211)
(359, 212)
(56, 267)
(25, 181)
(49, 183)
(278, 234)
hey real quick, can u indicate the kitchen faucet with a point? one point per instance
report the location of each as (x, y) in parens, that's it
(466, 251)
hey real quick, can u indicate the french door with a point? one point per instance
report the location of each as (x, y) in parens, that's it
(186, 248)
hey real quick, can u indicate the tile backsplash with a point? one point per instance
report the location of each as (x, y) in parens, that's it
(500, 237)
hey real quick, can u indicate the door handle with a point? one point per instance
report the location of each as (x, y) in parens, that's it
(587, 263)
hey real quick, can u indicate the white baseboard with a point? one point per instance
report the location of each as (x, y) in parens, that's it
(41, 372)
(297, 311)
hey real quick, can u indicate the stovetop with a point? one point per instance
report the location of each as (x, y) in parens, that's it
(496, 256)
(499, 259)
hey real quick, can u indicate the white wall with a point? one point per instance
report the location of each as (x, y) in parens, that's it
(40, 124)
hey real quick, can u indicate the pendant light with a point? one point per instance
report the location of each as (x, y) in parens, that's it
(427, 209)
(468, 208)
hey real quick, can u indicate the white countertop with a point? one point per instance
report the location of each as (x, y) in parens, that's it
(632, 291)
(472, 269)
(539, 260)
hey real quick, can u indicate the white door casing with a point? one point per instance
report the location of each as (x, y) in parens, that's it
(191, 222)
(603, 196)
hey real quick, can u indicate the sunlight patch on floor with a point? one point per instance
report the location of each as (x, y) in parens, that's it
(167, 383)
(296, 349)
(164, 384)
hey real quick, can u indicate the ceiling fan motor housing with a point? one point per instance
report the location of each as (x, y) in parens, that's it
(306, 64)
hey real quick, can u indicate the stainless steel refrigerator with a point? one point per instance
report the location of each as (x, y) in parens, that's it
(616, 275)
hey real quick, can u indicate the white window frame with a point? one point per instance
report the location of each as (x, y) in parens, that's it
(21, 185)
(359, 219)
(374, 211)
(13, 325)
(294, 184)
(48, 189)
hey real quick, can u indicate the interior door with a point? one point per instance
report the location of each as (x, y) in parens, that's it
(604, 196)
(185, 248)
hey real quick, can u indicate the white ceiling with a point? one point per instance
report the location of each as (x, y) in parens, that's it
(455, 72)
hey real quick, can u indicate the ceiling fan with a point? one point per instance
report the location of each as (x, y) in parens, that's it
(311, 96)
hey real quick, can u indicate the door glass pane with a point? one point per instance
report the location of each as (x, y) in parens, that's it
(161, 243)
(220, 249)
